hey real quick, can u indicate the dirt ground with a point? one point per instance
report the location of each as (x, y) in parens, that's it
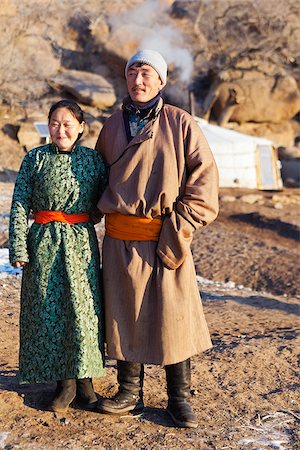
(245, 390)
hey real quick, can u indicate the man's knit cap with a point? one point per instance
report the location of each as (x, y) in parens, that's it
(153, 59)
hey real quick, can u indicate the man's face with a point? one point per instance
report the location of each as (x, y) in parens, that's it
(143, 83)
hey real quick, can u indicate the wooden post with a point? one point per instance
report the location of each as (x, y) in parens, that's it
(192, 102)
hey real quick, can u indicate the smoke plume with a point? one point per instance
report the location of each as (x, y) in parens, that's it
(153, 29)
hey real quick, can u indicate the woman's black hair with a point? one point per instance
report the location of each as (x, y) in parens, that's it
(74, 109)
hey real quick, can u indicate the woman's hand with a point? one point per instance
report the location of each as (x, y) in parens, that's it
(19, 264)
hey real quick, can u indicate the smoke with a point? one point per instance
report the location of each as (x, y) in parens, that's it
(152, 29)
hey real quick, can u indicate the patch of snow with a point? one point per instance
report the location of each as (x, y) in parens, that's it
(220, 286)
(6, 269)
(263, 443)
(3, 436)
(272, 433)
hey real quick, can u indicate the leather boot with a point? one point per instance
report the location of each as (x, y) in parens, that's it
(64, 395)
(178, 387)
(130, 394)
(85, 394)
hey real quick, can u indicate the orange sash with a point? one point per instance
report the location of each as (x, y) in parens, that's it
(43, 217)
(132, 228)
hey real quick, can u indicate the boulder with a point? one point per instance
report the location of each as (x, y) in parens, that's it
(87, 88)
(252, 94)
(89, 141)
(281, 134)
(227, 198)
(27, 60)
(8, 8)
(28, 136)
(93, 128)
(251, 198)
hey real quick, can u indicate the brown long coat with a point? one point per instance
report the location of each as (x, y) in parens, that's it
(153, 310)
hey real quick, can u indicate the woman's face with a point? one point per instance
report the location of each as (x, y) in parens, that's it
(64, 129)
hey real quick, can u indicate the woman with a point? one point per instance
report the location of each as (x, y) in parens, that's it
(61, 319)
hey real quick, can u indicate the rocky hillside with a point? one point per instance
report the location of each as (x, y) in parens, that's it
(240, 58)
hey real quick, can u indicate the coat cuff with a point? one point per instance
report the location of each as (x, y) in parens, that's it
(15, 256)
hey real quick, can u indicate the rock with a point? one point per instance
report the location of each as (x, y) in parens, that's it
(89, 141)
(91, 133)
(251, 198)
(286, 199)
(11, 130)
(93, 128)
(7, 175)
(281, 134)
(28, 136)
(31, 61)
(99, 29)
(8, 8)
(253, 94)
(278, 205)
(178, 11)
(64, 421)
(228, 198)
(88, 88)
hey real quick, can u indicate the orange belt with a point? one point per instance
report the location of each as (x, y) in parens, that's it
(43, 217)
(132, 228)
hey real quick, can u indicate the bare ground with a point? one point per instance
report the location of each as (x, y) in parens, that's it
(245, 390)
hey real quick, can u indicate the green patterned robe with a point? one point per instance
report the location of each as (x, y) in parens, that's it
(61, 319)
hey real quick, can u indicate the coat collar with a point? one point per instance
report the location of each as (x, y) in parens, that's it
(154, 108)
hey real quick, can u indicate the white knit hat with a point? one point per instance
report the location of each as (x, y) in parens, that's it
(153, 59)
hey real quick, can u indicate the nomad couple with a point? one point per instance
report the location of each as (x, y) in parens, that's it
(155, 181)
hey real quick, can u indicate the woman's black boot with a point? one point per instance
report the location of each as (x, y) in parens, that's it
(178, 387)
(85, 394)
(64, 395)
(130, 394)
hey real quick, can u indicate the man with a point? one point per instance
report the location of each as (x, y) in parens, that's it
(163, 185)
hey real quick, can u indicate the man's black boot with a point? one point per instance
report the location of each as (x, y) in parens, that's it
(178, 387)
(85, 394)
(64, 395)
(130, 394)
